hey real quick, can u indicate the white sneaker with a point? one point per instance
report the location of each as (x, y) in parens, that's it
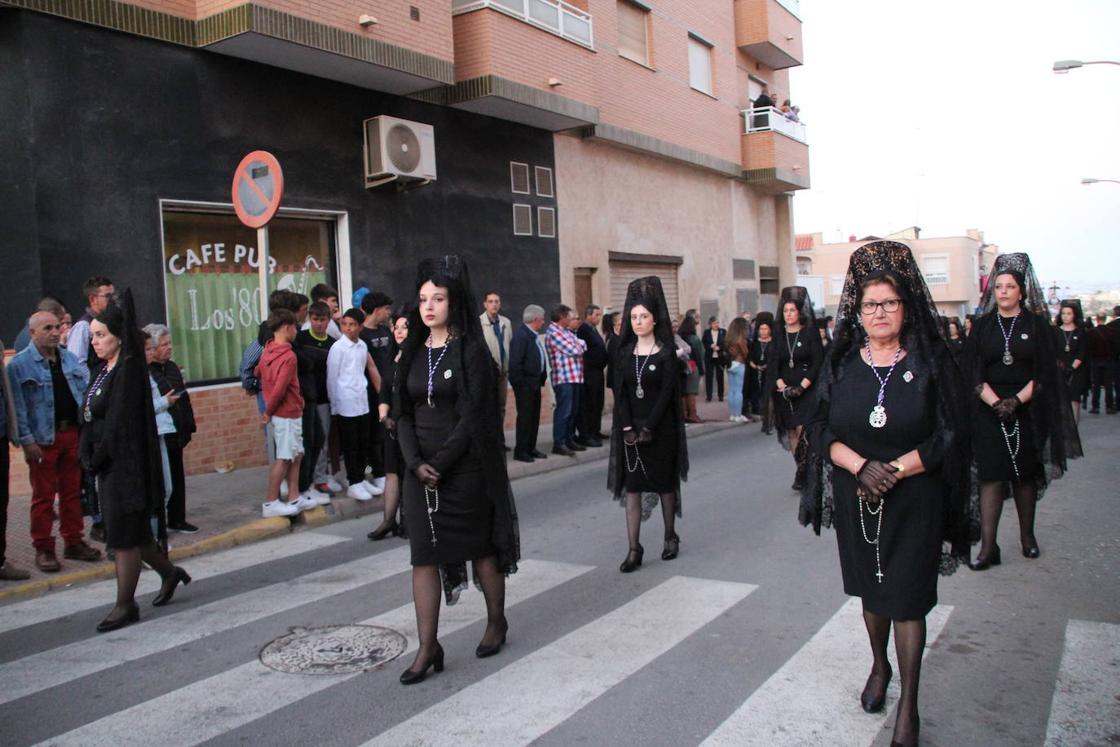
(303, 503)
(379, 484)
(334, 485)
(734, 418)
(372, 487)
(358, 492)
(278, 508)
(321, 499)
(284, 489)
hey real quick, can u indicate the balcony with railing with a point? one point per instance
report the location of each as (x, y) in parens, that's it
(775, 151)
(769, 31)
(555, 16)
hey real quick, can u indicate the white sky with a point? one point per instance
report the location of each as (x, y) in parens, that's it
(946, 115)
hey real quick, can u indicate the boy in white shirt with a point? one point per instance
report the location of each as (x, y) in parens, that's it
(348, 366)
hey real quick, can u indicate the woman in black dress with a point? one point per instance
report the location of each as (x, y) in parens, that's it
(1072, 353)
(1022, 424)
(761, 356)
(793, 372)
(890, 432)
(956, 337)
(392, 449)
(610, 329)
(457, 499)
(648, 457)
(120, 447)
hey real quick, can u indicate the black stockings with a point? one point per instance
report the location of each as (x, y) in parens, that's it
(909, 641)
(494, 590)
(634, 516)
(128, 573)
(991, 506)
(426, 591)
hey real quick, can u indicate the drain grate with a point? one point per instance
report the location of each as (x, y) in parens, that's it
(333, 649)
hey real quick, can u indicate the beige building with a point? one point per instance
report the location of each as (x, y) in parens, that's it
(955, 267)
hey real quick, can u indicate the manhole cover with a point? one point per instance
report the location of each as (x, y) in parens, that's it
(333, 649)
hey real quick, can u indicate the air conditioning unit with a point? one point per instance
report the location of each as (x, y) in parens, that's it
(398, 150)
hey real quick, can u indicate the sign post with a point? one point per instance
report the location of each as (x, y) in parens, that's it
(258, 186)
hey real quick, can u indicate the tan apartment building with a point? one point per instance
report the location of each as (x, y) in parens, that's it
(562, 147)
(955, 267)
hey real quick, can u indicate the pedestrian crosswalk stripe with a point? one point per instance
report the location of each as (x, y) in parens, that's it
(57, 666)
(62, 603)
(211, 707)
(1086, 705)
(532, 695)
(814, 697)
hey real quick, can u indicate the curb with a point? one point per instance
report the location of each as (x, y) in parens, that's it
(339, 509)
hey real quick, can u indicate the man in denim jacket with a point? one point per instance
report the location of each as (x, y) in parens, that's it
(49, 386)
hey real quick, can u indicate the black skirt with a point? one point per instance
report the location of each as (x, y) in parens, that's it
(124, 528)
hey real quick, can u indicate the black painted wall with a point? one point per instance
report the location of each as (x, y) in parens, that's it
(96, 126)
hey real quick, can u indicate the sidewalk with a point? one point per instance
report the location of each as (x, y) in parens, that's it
(227, 510)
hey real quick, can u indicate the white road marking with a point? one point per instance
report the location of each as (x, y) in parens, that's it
(814, 698)
(1086, 705)
(214, 706)
(534, 694)
(62, 603)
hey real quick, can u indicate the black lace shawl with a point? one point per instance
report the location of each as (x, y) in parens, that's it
(476, 403)
(647, 292)
(127, 438)
(929, 357)
(800, 296)
(1056, 438)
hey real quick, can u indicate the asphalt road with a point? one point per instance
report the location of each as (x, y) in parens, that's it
(746, 638)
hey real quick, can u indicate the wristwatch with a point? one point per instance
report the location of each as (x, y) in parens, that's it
(898, 468)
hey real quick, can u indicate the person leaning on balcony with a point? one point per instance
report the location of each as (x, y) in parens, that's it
(48, 383)
(762, 121)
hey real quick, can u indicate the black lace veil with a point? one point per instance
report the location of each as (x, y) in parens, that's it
(923, 337)
(477, 402)
(1017, 264)
(647, 291)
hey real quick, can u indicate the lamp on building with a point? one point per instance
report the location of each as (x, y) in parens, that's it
(1064, 66)
(365, 21)
(1094, 181)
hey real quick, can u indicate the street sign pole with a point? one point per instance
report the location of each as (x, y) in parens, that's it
(258, 186)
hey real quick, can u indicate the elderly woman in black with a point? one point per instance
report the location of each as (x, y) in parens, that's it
(648, 456)
(890, 432)
(120, 446)
(797, 361)
(1073, 355)
(457, 499)
(1022, 425)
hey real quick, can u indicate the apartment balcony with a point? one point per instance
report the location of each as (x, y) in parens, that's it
(527, 61)
(775, 151)
(769, 31)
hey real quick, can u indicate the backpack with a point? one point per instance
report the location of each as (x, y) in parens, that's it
(247, 370)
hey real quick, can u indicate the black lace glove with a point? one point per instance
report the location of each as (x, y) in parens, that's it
(630, 437)
(1005, 409)
(428, 475)
(644, 436)
(793, 392)
(876, 479)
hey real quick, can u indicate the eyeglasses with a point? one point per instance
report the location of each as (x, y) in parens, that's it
(891, 305)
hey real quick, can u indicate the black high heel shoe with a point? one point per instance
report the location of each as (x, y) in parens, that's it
(992, 558)
(412, 676)
(1031, 551)
(874, 703)
(484, 651)
(116, 623)
(384, 530)
(167, 590)
(672, 547)
(633, 559)
(917, 730)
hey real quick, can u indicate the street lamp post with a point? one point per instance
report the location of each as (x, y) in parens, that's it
(1095, 181)
(1064, 66)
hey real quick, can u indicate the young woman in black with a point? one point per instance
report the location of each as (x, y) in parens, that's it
(889, 465)
(649, 458)
(392, 450)
(1073, 355)
(1022, 425)
(457, 499)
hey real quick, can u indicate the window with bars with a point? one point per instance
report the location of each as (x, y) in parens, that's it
(546, 222)
(519, 178)
(633, 32)
(522, 220)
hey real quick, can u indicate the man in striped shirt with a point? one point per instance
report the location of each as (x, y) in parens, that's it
(565, 357)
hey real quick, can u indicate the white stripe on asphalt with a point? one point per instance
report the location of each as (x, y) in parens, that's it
(1086, 706)
(101, 594)
(60, 665)
(537, 692)
(814, 698)
(209, 708)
